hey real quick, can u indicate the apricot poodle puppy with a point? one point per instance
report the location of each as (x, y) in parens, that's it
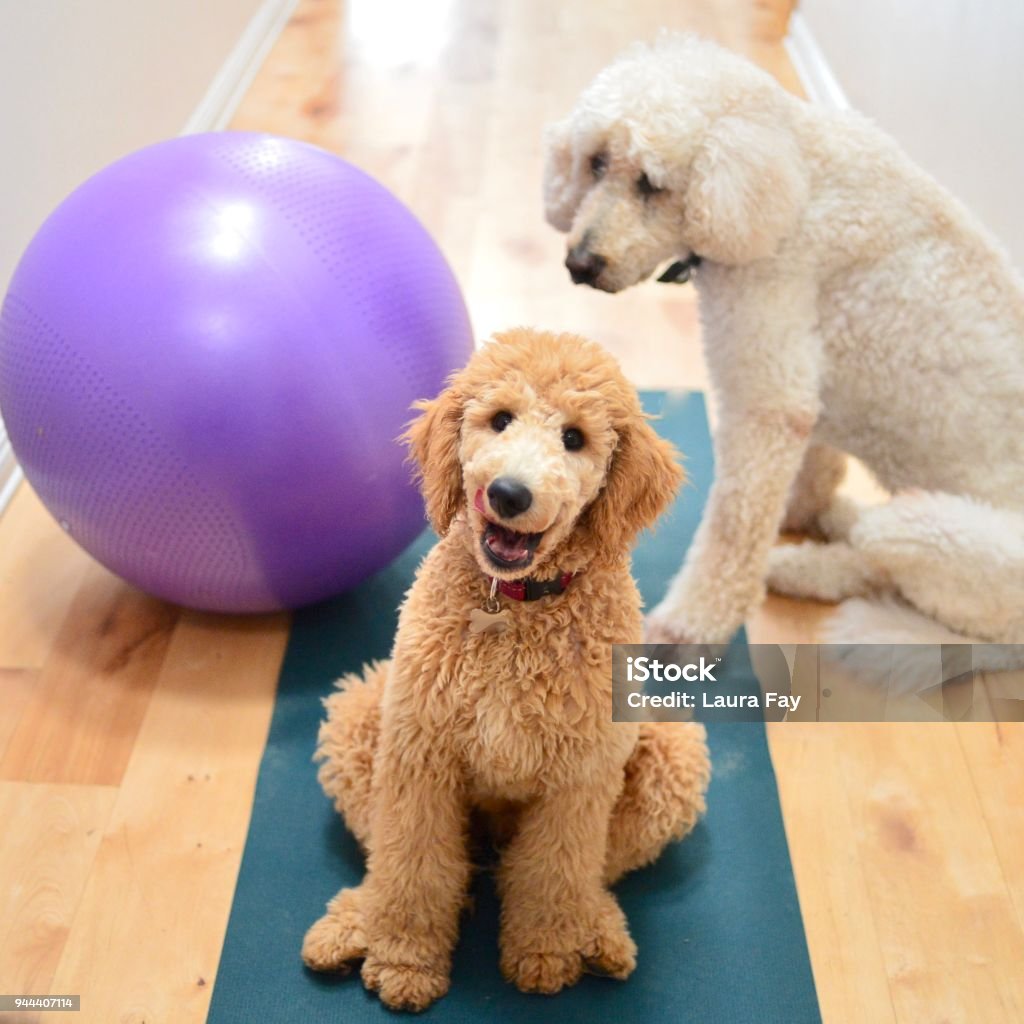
(538, 470)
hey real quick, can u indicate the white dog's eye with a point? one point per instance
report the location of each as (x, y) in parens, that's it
(645, 188)
(500, 420)
(598, 164)
(572, 439)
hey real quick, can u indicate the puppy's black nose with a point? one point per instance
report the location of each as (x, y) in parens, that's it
(508, 497)
(583, 265)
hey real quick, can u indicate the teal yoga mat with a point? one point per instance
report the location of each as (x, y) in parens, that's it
(716, 919)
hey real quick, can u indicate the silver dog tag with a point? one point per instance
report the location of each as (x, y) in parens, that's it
(481, 621)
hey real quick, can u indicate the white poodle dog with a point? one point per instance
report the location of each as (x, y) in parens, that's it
(849, 306)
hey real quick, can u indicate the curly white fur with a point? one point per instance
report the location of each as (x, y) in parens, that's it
(849, 305)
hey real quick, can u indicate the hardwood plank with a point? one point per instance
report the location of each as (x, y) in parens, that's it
(50, 837)
(947, 928)
(81, 721)
(994, 752)
(40, 569)
(16, 687)
(834, 890)
(845, 795)
(296, 90)
(146, 941)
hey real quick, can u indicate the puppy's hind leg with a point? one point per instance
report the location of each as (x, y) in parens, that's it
(347, 744)
(346, 749)
(663, 796)
(338, 939)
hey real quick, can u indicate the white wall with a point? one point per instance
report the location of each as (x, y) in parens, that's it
(83, 82)
(946, 78)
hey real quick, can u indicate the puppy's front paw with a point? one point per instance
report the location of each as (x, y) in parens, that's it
(611, 951)
(404, 986)
(338, 939)
(543, 972)
(605, 948)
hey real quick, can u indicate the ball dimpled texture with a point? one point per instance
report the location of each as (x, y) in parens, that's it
(207, 355)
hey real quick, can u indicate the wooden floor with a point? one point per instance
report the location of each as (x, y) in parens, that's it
(131, 732)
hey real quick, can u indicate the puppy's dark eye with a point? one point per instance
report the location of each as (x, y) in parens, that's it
(598, 164)
(645, 188)
(500, 420)
(572, 439)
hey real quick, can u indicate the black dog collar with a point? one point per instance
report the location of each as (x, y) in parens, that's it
(681, 271)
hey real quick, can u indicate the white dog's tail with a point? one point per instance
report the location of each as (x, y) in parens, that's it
(955, 558)
(906, 646)
(886, 621)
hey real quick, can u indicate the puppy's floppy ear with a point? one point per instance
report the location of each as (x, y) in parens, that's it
(563, 186)
(433, 439)
(748, 187)
(642, 480)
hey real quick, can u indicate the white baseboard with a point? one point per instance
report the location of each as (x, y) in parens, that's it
(231, 83)
(10, 471)
(212, 114)
(808, 59)
(10, 475)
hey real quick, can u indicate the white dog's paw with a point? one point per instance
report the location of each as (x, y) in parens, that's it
(821, 572)
(796, 570)
(663, 627)
(918, 526)
(836, 521)
(676, 624)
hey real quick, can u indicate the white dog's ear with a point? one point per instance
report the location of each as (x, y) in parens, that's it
(563, 189)
(748, 188)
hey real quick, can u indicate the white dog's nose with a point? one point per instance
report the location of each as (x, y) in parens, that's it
(583, 265)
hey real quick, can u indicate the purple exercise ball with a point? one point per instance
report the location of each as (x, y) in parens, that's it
(207, 354)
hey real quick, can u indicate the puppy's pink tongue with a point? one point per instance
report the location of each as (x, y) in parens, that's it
(509, 546)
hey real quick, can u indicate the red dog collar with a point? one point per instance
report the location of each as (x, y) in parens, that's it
(529, 589)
